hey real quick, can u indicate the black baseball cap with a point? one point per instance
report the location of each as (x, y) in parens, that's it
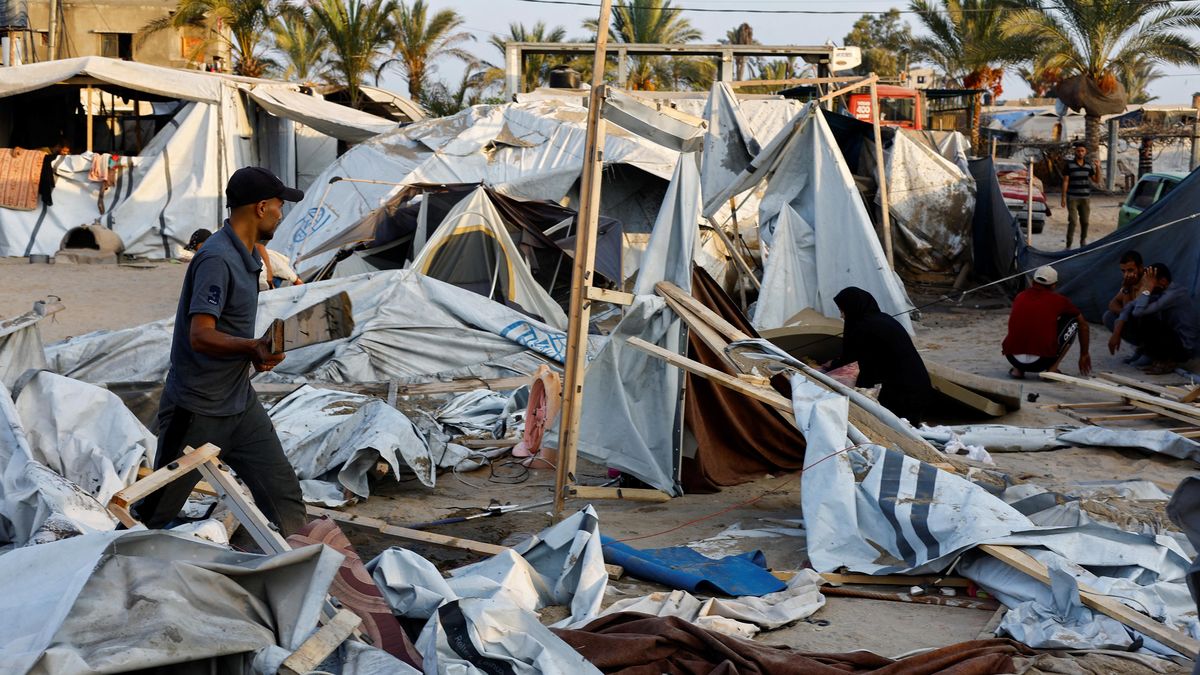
(252, 184)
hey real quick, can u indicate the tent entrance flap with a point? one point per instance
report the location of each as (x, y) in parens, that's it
(471, 257)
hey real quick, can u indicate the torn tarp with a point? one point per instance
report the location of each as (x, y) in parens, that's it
(683, 568)
(182, 601)
(562, 565)
(1003, 438)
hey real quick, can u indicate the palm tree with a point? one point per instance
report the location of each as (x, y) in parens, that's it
(420, 39)
(1137, 77)
(647, 21)
(301, 41)
(537, 66)
(742, 35)
(963, 43)
(248, 22)
(357, 33)
(1098, 39)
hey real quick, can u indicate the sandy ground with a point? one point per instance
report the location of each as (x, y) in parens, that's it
(1103, 220)
(110, 296)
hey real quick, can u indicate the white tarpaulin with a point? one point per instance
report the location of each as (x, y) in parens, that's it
(804, 170)
(20, 347)
(181, 600)
(789, 273)
(189, 85)
(331, 119)
(1002, 438)
(526, 150)
(405, 325)
(472, 244)
(932, 205)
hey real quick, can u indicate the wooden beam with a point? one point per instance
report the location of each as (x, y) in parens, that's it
(885, 205)
(90, 116)
(1171, 393)
(895, 580)
(631, 494)
(321, 644)
(383, 527)
(119, 503)
(742, 266)
(1193, 420)
(866, 81)
(242, 505)
(966, 397)
(201, 488)
(1104, 604)
(1006, 392)
(795, 81)
(1092, 419)
(610, 296)
(1127, 393)
(583, 271)
(1191, 396)
(1099, 405)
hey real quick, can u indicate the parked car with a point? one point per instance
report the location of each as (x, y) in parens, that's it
(1014, 185)
(1149, 189)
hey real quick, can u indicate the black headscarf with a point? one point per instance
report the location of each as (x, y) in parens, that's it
(856, 304)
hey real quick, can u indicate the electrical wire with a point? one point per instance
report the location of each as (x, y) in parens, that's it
(775, 490)
(855, 12)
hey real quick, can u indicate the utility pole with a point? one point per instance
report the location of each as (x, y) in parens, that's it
(52, 52)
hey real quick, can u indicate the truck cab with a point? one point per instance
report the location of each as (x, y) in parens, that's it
(898, 107)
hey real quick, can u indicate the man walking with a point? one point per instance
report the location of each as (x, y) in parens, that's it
(1078, 175)
(207, 397)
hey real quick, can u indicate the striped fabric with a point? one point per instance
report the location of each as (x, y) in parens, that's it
(20, 171)
(1079, 178)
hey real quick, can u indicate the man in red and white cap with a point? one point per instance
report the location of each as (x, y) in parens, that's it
(1042, 327)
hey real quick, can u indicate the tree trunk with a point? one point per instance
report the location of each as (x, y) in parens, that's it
(976, 132)
(1091, 136)
(416, 83)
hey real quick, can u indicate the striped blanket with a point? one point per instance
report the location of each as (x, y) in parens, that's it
(20, 171)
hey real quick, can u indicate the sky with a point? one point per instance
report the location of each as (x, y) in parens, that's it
(484, 18)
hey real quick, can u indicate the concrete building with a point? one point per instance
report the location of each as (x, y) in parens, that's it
(41, 30)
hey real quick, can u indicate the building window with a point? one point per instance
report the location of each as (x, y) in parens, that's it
(117, 45)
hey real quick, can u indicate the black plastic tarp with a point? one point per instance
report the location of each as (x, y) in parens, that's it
(995, 234)
(1092, 279)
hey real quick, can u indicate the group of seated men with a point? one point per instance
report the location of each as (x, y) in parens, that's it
(1157, 318)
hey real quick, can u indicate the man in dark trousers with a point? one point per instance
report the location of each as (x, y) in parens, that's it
(1167, 320)
(1078, 175)
(207, 397)
(1042, 327)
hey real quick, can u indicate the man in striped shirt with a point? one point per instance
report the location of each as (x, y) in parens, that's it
(1078, 175)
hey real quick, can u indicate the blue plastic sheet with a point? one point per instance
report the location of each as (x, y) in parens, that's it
(686, 569)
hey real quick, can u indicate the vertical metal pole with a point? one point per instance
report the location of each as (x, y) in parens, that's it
(52, 51)
(1111, 170)
(89, 118)
(883, 193)
(1029, 203)
(584, 267)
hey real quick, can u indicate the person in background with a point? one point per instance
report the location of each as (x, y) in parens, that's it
(277, 270)
(1078, 176)
(885, 355)
(1042, 327)
(1146, 157)
(1117, 317)
(188, 252)
(1166, 319)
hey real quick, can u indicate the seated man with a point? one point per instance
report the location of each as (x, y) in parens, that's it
(1166, 319)
(1042, 327)
(1117, 318)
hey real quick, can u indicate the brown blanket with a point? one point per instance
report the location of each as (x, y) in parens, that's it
(20, 175)
(640, 644)
(740, 439)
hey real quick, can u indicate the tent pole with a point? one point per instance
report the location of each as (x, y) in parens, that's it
(89, 118)
(1029, 204)
(584, 267)
(883, 193)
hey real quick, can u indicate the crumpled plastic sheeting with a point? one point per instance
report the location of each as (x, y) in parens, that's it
(406, 324)
(325, 431)
(59, 435)
(1065, 623)
(184, 600)
(474, 637)
(483, 411)
(20, 347)
(1003, 438)
(563, 564)
(734, 616)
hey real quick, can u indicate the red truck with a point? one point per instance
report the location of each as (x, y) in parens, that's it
(898, 107)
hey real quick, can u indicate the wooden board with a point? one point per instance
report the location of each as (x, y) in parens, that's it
(632, 494)
(1104, 604)
(1172, 393)
(383, 527)
(895, 580)
(1005, 392)
(330, 319)
(966, 396)
(1185, 409)
(321, 644)
(119, 503)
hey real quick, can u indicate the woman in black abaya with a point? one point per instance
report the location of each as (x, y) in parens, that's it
(885, 355)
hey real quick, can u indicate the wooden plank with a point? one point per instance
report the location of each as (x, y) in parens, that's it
(707, 334)
(1171, 393)
(885, 206)
(966, 396)
(609, 296)
(481, 443)
(1090, 406)
(120, 502)
(242, 505)
(989, 629)
(631, 494)
(1193, 420)
(383, 527)
(895, 580)
(614, 571)
(1007, 392)
(202, 487)
(866, 81)
(1092, 419)
(321, 644)
(1127, 393)
(1104, 604)
(329, 319)
(582, 271)
(1191, 396)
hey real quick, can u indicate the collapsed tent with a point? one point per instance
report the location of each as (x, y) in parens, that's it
(1167, 232)
(160, 169)
(530, 151)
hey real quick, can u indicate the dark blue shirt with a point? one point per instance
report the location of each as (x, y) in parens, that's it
(222, 281)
